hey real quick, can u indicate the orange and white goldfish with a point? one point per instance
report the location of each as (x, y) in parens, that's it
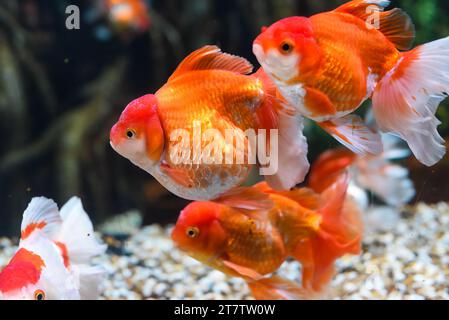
(129, 14)
(210, 91)
(52, 261)
(375, 173)
(234, 235)
(329, 64)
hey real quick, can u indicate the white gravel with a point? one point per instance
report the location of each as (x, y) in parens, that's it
(407, 260)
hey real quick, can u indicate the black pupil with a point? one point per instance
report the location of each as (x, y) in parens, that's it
(191, 233)
(286, 47)
(40, 296)
(130, 134)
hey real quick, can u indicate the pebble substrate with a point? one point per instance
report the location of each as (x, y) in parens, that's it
(407, 260)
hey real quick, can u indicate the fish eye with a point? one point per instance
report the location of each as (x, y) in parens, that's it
(130, 133)
(192, 232)
(286, 47)
(39, 295)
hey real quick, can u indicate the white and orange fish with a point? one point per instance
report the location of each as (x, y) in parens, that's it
(329, 64)
(54, 255)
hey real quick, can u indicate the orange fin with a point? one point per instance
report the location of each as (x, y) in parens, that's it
(359, 7)
(276, 288)
(318, 103)
(352, 132)
(211, 57)
(305, 197)
(398, 27)
(395, 24)
(328, 167)
(340, 233)
(41, 214)
(178, 175)
(247, 198)
(247, 273)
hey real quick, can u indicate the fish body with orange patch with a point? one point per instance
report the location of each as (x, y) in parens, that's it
(327, 65)
(54, 253)
(251, 243)
(210, 92)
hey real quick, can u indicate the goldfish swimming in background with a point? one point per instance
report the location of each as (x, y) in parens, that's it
(210, 91)
(375, 173)
(52, 261)
(329, 64)
(234, 235)
(128, 14)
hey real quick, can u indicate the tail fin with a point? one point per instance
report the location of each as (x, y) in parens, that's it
(292, 164)
(77, 233)
(90, 280)
(406, 99)
(329, 166)
(276, 288)
(388, 181)
(339, 234)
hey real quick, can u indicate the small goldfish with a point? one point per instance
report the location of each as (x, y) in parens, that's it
(132, 14)
(234, 235)
(54, 253)
(375, 173)
(329, 64)
(210, 91)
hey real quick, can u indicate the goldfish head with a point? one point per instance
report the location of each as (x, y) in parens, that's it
(138, 135)
(287, 49)
(199, 232)
(29, 276)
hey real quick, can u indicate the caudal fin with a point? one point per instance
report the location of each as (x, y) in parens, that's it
(77, 233)
(90, 280)
(276, 288)
(340, 233)
(292, 163)
(406, 99)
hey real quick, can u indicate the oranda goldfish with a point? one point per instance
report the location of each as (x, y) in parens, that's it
(329, 64)
(54, 253)
(209, 90)
(388, 181)
(234, 235)
(129, 14)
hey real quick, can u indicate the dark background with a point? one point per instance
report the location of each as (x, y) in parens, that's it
(61, 91)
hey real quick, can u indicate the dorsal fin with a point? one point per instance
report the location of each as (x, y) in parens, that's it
(211, 58)
(41, 214)
(395, 24)
(306, 197)
(358, 7)
(398, 27)
(246, 198)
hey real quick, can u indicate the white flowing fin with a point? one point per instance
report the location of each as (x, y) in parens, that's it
(293, 164)
(41, 214)
(352, 132)
(406, 99)
(77, 233)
